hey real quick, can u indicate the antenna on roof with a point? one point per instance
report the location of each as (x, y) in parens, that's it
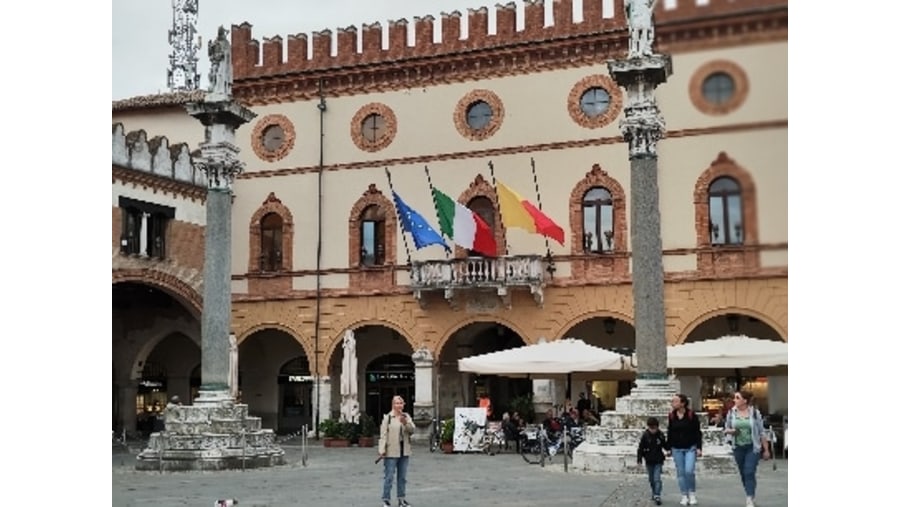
(183, 75)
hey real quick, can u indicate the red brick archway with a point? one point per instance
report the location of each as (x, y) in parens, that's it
(181, 291)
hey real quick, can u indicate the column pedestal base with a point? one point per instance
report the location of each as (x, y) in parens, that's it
(210, 437)
(612, 445)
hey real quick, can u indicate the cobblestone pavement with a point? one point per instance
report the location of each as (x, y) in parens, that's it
(350, 477)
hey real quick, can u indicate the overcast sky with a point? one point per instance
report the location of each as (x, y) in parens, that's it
(140, 46)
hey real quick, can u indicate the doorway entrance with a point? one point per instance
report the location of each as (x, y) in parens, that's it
(295, 389)
(388, 376)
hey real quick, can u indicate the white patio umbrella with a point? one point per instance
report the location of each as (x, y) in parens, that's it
(732, 352)
(349, 380)
(561, 358)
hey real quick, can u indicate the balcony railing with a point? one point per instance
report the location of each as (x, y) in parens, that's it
(500, 273)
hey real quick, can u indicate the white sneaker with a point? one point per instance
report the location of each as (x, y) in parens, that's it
(692, 500)
(750, 502)
(684, 500)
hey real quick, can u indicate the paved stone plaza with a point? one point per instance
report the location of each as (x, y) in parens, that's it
(350, 477)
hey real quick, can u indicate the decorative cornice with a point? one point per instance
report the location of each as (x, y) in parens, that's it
(158, 183)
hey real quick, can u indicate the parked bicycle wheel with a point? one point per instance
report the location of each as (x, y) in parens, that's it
(532, 451)
(494, 444)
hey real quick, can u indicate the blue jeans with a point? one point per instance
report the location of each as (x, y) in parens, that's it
(685, 462)
(398, 464)
(747, 460)
(654, 473)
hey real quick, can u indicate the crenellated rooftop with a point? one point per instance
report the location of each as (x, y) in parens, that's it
(264, 75)
(155, 157)
(254, 60)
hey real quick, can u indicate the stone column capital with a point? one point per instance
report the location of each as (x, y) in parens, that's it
(423, 358)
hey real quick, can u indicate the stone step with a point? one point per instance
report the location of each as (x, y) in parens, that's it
(618, 459)
(622, 419)
(630, 436)
(182, 441)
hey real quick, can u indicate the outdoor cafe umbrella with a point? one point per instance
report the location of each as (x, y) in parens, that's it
(744, 355)
(733, 352)
(545, 359)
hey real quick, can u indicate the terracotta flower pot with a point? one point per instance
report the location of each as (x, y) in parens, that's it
(447, 447)
(366, 441)
(337, 442)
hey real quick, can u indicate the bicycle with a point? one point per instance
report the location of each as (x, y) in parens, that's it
(538, 446)
(437, 428)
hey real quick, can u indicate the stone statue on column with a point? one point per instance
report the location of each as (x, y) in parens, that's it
(220, 73)
(640, 27)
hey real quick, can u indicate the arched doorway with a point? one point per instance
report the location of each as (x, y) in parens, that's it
(275, 379)
(713, 389)
(295, 395)
(458, 389)
(388, 376)
(613, 334)
(155, 344)
(384, 353)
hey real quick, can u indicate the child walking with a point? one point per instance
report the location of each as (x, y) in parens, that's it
(651, 450)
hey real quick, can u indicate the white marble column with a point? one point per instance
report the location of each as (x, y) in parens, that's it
(144, 237)
(424, 405)
(322, 409)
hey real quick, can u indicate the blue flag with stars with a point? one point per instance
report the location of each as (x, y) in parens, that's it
(423, 234)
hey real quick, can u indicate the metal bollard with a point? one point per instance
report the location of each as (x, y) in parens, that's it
(565, 448)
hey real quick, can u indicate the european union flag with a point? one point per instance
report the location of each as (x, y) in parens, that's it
(413, 223)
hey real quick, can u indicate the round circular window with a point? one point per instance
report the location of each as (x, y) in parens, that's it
(273, 137)
(373, 127)
(478, 114)
(719, 87)
(595, 101)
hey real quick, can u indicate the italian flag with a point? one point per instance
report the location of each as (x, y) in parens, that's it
(463, 226)
(519, 212)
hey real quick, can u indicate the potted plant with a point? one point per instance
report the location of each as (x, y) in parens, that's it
(336, 433)
(366, 431)
(447, 435)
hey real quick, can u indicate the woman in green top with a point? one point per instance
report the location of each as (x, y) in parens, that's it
(744, 426)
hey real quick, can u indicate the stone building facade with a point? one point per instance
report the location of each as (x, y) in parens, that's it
(318, 249)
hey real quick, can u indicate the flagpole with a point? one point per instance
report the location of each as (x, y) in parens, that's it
(402, 232)
(434, 201)
(550, 266)
(499, 211)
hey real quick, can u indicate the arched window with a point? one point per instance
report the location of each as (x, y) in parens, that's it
(372, 236)
(483, 207)
(726, 222)
(597, 206)
(270, 229)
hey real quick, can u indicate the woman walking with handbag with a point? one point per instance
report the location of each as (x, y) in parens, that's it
(744, 427)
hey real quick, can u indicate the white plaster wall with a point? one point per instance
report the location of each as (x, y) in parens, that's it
(186, 210)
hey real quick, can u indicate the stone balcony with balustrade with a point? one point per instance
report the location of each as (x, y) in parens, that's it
(501, 274)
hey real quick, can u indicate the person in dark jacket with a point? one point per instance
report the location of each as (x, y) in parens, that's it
(685, 446)
(651, 451)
